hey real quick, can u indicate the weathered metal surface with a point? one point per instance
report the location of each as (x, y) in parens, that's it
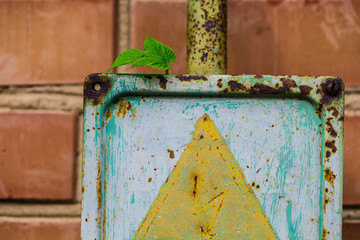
(206, 45)
(222, 157)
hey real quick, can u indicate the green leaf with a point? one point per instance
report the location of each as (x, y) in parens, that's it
(158, 50)
(126, 57)
(157, 55)
(151, 61)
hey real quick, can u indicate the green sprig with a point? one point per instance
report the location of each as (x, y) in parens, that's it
(156, 55)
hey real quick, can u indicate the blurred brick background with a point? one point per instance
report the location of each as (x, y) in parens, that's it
(47, 47)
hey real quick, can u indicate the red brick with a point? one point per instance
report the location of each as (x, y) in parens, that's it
(351, 230)
(290, 37)
(295, 38)
(37, 155)
(55, 41)
(351, 161)
(169, 27)
(39, 229)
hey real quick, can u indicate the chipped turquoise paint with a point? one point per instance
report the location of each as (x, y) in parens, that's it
(277, 141)
(289, 221)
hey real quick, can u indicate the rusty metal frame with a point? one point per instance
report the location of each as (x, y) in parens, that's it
(326, 94)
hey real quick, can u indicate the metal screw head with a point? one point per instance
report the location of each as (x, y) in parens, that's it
(333, 88)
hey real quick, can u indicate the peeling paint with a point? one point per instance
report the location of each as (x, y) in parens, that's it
(124, 107)
(175, 214)
(121, 173)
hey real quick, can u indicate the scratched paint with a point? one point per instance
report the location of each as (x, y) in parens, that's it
(288, 149)
(279, 143)
(206, 196)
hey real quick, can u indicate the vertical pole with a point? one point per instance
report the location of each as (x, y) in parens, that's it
(207, 28)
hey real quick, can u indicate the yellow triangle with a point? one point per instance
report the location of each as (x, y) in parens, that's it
(206, 196)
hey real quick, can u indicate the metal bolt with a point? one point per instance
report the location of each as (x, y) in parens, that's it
(332, 88)
(97, 86)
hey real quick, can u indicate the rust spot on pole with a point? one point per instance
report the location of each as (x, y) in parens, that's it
(207, 28)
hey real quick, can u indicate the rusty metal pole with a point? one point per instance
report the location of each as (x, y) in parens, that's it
(207, 28)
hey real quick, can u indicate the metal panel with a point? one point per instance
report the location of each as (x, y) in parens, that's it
(212, 157)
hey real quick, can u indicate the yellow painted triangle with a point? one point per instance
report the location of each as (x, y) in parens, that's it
(206, 196)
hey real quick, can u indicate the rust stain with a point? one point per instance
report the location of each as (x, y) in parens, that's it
(331, 145)
(90, 91)
(236, 86)
(124, 107)
(326, 98)
(325, 232)
(287, 85)
(305, 90)
(108, 114)
(326, 201)
(134, 112)
(329, 176)
(98, 188)
(318, 111)
(150, 179)
(189, 78)
(171, 153)
(219, 83)
(104, 216)
(335, 112)
(162, 82)
(330, 129)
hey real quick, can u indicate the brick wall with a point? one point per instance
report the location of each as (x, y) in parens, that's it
(48, 47)
(46, 50)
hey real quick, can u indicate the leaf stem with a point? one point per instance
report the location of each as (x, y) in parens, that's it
(167, 72)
